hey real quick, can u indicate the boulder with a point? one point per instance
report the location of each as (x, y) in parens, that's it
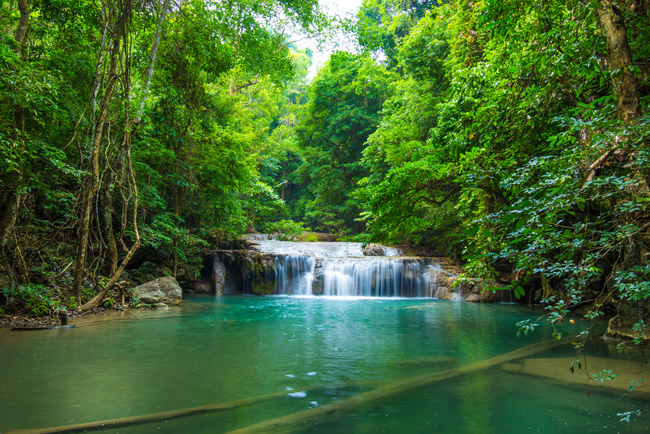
(373, 250)
(445, 294)
(164, 290)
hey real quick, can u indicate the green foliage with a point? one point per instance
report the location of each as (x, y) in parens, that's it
(383, 24)
(604, 375)
(344, 106)
(36, 300)
(286, 230)
(625, 416)
(309, 237)
(525, 327)
(198, 153)
(488, 139)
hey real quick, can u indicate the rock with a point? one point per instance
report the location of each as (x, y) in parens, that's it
(163, 290)
(318, 284)
(445, 294)
(373, 250)
(203, 286)
(628, 313)
(218, 276)
(245, 272)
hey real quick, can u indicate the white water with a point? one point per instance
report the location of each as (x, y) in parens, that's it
(316, 250)
(341, 270)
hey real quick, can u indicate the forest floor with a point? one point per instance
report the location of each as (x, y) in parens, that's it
(46, 321)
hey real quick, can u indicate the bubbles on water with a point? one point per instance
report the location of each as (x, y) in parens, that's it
(311, 374)
(290, 376)
(301, 394)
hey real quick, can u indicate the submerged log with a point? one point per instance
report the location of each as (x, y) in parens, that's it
(304, 420)
(173, 414)
(307, 418)
(44, 328)
(428, 361)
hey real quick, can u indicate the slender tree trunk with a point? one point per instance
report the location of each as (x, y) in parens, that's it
(15, 197)
(177, 214)
(107, 224)
(93, 184)
(626, 86)
(9, 218)
(21, 31)
(152, 60)
(136, 243)
(125, 163)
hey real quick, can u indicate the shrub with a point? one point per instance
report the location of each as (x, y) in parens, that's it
(33, 299)
(287, 230)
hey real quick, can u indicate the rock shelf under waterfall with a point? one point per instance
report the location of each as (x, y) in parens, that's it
(337, 269)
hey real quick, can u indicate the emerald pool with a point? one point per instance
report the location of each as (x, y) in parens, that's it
(312, 351)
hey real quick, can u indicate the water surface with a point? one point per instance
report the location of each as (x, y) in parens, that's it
(213, 350)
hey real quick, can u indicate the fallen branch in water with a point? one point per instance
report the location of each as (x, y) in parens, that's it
(169, 415)
(44, 328)
(428, 361)
(307, 419)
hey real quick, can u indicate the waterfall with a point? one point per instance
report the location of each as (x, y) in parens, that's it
(343, 269)
(294, 274)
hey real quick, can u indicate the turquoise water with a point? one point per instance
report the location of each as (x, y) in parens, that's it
(317, 350)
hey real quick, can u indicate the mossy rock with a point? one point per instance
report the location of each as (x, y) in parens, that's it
(264, 288)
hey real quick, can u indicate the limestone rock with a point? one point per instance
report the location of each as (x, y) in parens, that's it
(628, 313)
(373, 250)
(445, 294)
(164, 290)
(218, 275)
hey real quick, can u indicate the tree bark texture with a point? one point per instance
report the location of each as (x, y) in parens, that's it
(626, 86)
(152, 60)
(107, 225)
(124, 163)
(15, 197)
(93, 184)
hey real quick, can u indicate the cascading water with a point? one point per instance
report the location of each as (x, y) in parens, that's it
(294, 274)
(346, 269)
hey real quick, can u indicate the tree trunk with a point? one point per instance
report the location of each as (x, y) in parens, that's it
(177, 214)
(125, 163)
(9, 219)
(136, 243)
(107, 225)
(152, 60)
(626, 86)
(15, 197)
(93, 184)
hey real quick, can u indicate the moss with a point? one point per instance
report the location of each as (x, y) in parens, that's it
(265, 287)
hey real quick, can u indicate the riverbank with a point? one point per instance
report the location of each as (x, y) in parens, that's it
(46, 321)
